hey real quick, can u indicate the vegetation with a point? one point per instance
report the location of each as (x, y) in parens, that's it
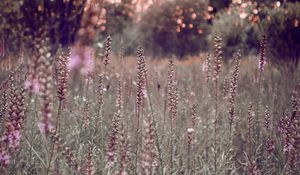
(282, 27)
(177, 27)
(239, 29)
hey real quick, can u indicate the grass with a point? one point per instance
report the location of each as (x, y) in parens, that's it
(188, 142)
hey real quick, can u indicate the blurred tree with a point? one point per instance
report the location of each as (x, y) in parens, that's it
(10, 26)
(244, 22)
(118, 16)
(239, 28)
(22, 21)
(282, 26)
(177, 27)
(219, 5)
(270, 2)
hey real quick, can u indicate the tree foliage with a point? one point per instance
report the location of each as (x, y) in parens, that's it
(177, 27)
(239, 28)
(21, 21)
(219, 5)
(282, 27)
(118, 16)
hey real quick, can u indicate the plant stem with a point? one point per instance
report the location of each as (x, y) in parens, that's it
(215, 129)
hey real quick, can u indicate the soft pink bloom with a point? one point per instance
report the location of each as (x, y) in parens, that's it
(32, 85)
(4, 158)
(261, 64)
(14, 139)
(288, 147)
(88, 65)
(12, 136)
(270, 146)
(45, 127)
(81, 59)
(75, 61)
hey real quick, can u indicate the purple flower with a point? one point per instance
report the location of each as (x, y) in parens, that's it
(81, 59)
(45, 127)
(32, 85)
(4, 158)
(270, 145)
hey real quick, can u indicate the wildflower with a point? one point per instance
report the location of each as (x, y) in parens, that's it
(63, 74)
(4, 157)
(81, 59)
(141, 79)
(262, 60)
(107, 50)
(217, 57)
(113, 140)
(148, 149)
(46, 86)
(233, 89)
(32, 85)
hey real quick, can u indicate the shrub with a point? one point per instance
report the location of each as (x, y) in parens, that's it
(118, 22)
(219, 5)
(117, 17)
(23, 20)
(238, 28)
(176, 27)
(283, 30)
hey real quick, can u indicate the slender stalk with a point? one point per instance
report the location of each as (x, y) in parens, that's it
(215, 129)
(59, 111)
(57, 131)
(261, 66)
(141, 88)
(217, 70)
(32, 128)
(137, 140)
(171, 148)
(155, 128)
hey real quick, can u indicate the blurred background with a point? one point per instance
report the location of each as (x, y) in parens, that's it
(179, 27)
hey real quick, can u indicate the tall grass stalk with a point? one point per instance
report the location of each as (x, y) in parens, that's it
(261, 67)
(141, 92)
(217, 69)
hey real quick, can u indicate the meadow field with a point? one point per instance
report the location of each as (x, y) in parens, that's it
(143, 116)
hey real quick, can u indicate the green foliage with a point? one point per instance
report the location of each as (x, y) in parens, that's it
(118, 17)
(10, 24)
(21, 21)
(283, 30)
(119, 23)
(270, 2)
(237, 31)
(176, 27)
(219, 5)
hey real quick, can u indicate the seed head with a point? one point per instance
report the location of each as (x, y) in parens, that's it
(141, 79)
(233, 88)
(262, 60)
(148, 155)
(63, 74)
(217, 57)
(107, 50)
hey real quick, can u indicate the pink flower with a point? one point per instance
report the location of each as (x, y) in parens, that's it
(4, 158)
(81, 59)
(45, 127)
(270, 145)
(75, 61)
(32, 85)
(12, 136)
(14, 139)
